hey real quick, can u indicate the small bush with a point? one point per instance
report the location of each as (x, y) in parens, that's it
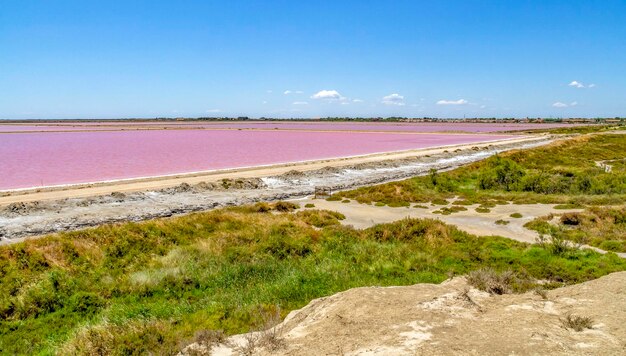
(488, 280)
(577, 323)
(85, 303)
(261, 208)
(451, 210)
(483, 210)
(516, 215)
(502, 222)
(285, 206)
(345, 201)
(462, 202)
(556, 243)
(209, 338)
(440, 201)
(573, 219)
(613, 245)
(334, 198)
(309, 205)
(320, 218)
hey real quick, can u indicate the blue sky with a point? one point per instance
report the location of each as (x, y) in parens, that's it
(114, 59)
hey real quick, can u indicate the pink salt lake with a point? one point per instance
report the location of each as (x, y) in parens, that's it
(55, 158)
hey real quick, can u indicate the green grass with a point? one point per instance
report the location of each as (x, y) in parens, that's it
(603, 227)
(450, 210)
(148, 287)
(563, 172)
(567, 206)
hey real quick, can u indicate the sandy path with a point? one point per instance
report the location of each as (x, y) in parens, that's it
(155, 183)
(483, 224)
(363, 216)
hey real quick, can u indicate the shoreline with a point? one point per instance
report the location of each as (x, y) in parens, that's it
(38, 214)
(127, 185)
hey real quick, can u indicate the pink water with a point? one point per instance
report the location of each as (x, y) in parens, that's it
(54, 158)
(290, 125)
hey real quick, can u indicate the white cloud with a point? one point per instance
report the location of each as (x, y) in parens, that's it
(452, 102)
(573, 103)
(357, 100)
(483, 106)
(576, 84)
(393, 99)
(327, 95)
(591, 86)
(559, 104)
(214, 110)
(287, 92)
(300, 103)
(264, 102)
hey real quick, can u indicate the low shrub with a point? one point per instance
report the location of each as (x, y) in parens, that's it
(567, 206)
(285, 206)
(450, 210)
(577, 323)
(488, 280)
(573, 219)
(440, 201)
(320, 218)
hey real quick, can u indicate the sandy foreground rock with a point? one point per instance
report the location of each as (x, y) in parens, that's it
(449, 318)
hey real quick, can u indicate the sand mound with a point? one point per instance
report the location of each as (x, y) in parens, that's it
(450, 318)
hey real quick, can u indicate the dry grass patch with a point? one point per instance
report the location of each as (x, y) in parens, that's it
(577, 323)
(493, 282)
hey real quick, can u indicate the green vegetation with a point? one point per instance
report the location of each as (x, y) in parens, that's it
(502, 222)
(567, 206)
(564, 172)
(147, 287)
(309, 205)
(516, 215)
(603, 227)
(450, 210)
(585, 129)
